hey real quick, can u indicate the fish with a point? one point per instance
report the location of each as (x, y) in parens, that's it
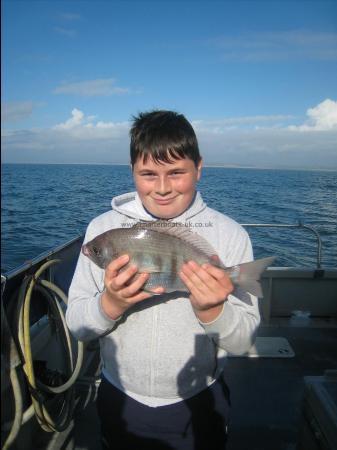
(161, 247)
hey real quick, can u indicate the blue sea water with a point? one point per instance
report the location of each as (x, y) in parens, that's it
(44, 206)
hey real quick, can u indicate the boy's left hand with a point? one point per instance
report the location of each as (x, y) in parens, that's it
(209, 287)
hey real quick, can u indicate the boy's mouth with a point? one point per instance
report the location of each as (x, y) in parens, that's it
(164, 201)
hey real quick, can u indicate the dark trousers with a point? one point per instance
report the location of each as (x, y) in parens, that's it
(198, 423)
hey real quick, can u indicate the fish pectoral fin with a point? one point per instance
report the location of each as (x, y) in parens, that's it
(152, 269)
(148, 291)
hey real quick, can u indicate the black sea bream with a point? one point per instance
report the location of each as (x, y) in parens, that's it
(160, 248)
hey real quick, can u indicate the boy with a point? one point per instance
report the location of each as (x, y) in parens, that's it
(162, 384)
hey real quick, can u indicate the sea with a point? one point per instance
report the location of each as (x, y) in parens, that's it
(44, 206)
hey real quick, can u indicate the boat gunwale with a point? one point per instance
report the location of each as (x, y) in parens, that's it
(39, 259)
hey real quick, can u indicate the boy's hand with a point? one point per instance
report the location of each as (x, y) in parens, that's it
(209, 287)
(120, 293)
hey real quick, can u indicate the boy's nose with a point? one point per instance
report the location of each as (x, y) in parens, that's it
(163, 187)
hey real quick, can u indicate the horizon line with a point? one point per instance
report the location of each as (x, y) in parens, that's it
(220, 166)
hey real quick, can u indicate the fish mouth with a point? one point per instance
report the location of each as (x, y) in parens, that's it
(85, 250)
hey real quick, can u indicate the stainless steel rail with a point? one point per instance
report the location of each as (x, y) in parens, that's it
(299, 225)
(13, 272)
(40, 258)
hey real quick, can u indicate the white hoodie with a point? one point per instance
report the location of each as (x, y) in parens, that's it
(159, 352)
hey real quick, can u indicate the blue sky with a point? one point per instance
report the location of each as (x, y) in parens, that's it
(258, 80)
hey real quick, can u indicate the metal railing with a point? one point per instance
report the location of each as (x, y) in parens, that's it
(11, 273)
(299, 225)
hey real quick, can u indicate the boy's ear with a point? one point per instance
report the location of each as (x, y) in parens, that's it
(199, 167)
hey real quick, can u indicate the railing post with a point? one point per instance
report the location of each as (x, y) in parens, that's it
(299, 225)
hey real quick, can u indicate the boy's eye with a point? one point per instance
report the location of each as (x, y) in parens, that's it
(148, 175)
(96, 251)
(152, 174)
(177, 173)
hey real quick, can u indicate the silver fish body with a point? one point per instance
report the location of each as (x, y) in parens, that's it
(160, 248)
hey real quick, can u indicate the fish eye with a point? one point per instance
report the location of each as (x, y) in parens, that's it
(96, 251)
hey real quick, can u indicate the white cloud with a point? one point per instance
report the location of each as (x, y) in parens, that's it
(223, 125)
(65, 31)
(15, 111)
(65, 19)
(322, 117)
(89, 88)
(80, 139)
(289, 45)
(273, 147)
(264, 141)
(80, 126)
(74, 121)
(70, 17)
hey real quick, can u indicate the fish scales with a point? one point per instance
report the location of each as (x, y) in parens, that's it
(161, 247)
(152, 252)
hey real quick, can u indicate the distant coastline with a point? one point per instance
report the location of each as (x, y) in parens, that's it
(217, 166)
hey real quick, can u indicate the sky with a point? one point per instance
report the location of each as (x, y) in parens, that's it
(257, 79)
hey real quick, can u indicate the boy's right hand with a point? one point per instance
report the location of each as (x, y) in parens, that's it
(120, 294)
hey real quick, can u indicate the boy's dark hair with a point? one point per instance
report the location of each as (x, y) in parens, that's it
(163, 135)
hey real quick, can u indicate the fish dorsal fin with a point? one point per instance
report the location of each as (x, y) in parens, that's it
(180, 231)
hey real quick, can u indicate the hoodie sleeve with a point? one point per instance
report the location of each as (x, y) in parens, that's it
(85, 317)
(236, 326)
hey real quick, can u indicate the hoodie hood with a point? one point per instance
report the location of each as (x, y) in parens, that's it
(130, 205)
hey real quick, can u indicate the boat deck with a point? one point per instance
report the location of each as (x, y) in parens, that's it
(266, 392)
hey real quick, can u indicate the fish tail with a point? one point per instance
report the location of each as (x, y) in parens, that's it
(247, 275)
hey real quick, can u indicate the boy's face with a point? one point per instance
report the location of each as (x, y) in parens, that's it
(166, 189)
